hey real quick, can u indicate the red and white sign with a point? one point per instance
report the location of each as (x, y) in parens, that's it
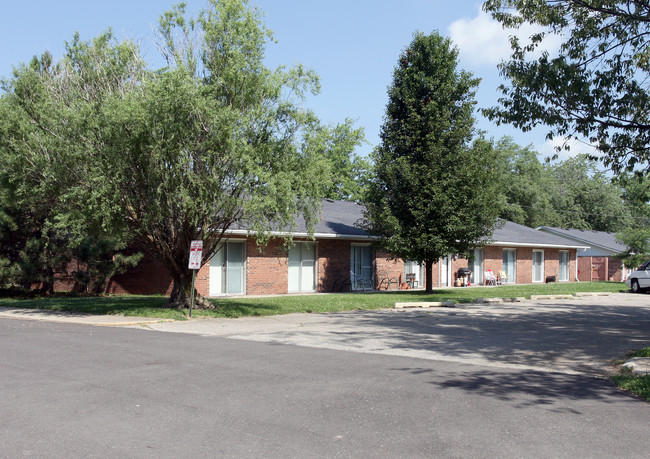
(196, 251)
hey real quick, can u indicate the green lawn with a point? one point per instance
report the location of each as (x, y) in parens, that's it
(151, 306)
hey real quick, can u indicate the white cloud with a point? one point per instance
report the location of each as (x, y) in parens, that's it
(482, 40)
(548, 148)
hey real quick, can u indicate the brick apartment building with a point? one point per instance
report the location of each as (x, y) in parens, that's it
(342, 258)
(598, 262)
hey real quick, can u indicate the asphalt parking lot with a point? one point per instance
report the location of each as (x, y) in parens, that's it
(573, 336)
(582, 335)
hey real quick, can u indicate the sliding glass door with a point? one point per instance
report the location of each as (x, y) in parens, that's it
(227, 268)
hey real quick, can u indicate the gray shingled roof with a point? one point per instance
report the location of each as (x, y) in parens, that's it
(519, 235)
(337, 218)
(591, 238)
(340, 219)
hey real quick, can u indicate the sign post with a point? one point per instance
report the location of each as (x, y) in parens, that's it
(196, 253)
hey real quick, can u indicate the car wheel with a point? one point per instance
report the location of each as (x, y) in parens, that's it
(635, 286)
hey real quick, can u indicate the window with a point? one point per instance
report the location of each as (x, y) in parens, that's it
(538, 266)
(563, 275)
(476, 266)
(302, 267)
(361, 265)
(227, 269)
(510, 265)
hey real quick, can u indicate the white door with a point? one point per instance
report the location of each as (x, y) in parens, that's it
(444, 272)
(538, 266)
(476, 278)
(302, 267)
(510, 265)
(563, 275)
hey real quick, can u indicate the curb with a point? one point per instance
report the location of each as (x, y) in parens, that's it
(518, 299)
(451, 304)
(425, 304)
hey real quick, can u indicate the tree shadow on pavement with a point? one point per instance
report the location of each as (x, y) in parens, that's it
(556, 392)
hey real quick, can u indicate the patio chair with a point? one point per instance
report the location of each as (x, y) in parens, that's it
(490, 278)
(361, 283)
(502, 277)
(385, 279)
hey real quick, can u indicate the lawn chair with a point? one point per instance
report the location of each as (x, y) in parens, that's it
(502, 277)
(385, 279)
(490, 278)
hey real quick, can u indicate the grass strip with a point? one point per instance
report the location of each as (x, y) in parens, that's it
(152, 306)
(638, 384)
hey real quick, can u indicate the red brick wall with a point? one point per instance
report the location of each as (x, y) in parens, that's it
(333, 265)
(394, 269)
(149, 277)
(267, 268)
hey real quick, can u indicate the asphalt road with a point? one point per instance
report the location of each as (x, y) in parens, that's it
(71, 390)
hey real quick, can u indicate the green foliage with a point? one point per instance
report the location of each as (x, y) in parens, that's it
(595, 87)
(637, 241)
(571, 194)
(524, 185)
(98, 150)
(48, 143)
(348, 173)
(584, 198)
(638, 384)
(433, 193)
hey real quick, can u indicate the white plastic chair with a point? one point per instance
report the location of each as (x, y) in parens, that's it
(490, 278)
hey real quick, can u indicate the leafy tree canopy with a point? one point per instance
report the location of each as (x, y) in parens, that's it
(595, 87)
(432, 191)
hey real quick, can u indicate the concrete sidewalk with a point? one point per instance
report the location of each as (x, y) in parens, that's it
(76, 318)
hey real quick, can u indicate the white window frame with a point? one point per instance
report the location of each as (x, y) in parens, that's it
(541, 277)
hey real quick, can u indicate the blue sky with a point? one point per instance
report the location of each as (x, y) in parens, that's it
(352, 44)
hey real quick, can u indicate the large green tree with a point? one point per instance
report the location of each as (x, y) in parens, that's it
(46, 117)
(595, 87)
(166, 156)
(433, 191)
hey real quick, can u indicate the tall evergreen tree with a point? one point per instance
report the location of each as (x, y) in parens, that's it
(433, 193)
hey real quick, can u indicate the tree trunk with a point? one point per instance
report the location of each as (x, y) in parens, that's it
(428, 267)
(181, 293)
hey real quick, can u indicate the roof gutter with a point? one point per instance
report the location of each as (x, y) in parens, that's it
(528, 244)
(362, 237)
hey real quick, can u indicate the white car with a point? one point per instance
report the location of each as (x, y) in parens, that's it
(639, 280)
